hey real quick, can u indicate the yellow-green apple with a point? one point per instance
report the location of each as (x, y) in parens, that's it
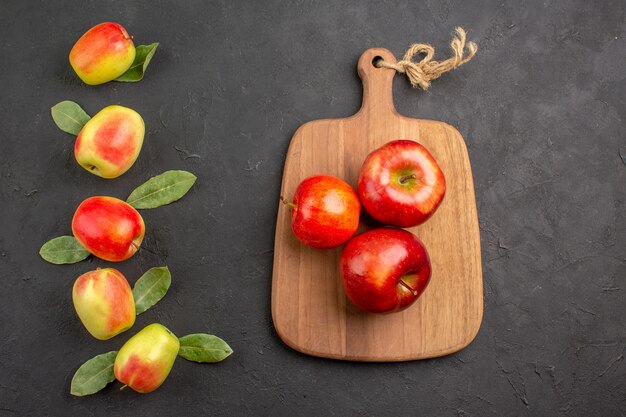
(108, 228)
(146, 359)
(384, 270)
(104, 302)
(325, 212)
(401, 184)
(103, 53)
(110, 142)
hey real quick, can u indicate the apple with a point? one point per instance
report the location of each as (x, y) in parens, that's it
(108, 228)
(384, 270)
(325, 212)
(401, 184)
(104, 302)
(146, 359)
(103, 53)
(110, 142)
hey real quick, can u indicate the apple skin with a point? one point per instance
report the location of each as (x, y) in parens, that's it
(325, 212)
(146, 359)
(104, 302)
(401, 184)
(108, 228)
(373, 263)
(110, 142)
(103, 53)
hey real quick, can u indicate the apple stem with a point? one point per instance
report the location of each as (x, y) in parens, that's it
(403, 179)
(405, 285)
(288, 203)
(123, 387)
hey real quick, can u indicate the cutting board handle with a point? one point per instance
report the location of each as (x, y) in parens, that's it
(377, 82)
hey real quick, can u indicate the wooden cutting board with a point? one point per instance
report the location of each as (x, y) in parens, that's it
(310, 310)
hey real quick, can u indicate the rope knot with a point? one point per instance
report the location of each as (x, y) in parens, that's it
(423, 72)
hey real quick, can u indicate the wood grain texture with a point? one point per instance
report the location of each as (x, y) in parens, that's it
(309, 307)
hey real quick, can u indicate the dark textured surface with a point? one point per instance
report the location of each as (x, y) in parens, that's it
(541, 108)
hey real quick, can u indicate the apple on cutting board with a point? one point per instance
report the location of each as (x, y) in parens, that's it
(325, 212)
(384, 270)
(401, 184)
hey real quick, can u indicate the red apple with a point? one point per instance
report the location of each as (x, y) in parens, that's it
(325, 212)
(384, 270)
(110, 142)
(104, 302)
(401, 184)
(103, 53)
(109, 228)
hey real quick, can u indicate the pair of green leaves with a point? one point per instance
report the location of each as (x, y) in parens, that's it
(157, 191)
(97, 372)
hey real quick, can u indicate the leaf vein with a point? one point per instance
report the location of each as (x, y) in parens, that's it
(64, 250)
(187, 347)
(160, 190)
(71, 118)
(97, 374)
(149, 290)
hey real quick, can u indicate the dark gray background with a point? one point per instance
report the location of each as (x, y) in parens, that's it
(541, 108)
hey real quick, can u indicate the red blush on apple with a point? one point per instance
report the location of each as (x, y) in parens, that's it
(401, 184)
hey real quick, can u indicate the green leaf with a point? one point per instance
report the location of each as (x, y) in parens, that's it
(161, 190)
(143, 55)
(93, 375)
(151, 287)
(63, 250)
(69, 116)
(202, 347)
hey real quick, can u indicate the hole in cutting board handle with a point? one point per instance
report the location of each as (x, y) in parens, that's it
(376, 61)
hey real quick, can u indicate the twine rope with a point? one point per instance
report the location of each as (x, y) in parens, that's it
(421, 73)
